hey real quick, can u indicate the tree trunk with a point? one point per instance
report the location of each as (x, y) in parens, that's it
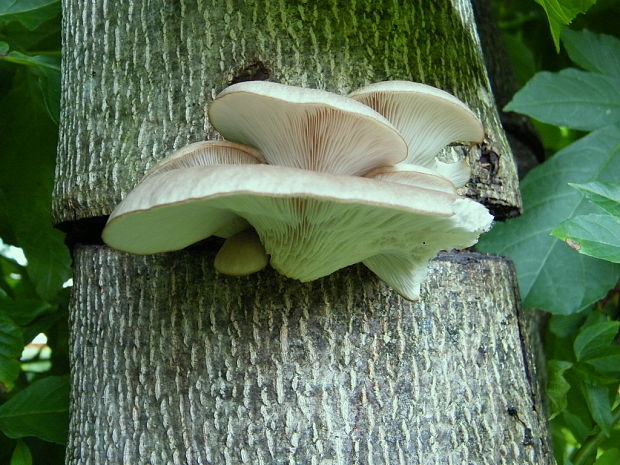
(181, 365)
(173, 363)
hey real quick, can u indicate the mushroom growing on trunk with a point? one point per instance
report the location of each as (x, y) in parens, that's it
(323, 190)
(429, 119)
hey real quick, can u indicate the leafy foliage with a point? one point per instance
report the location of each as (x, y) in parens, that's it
(551, 275)
(562, 13)
(572, 98)
(32, 299)
(597, 53)
(575, 196)
(29, 13)
(595, 235)
(583, 382)
(41, 410)
(21, 455)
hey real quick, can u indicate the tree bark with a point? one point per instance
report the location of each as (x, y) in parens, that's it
(139, 77)
(173, 363)
(182, 365)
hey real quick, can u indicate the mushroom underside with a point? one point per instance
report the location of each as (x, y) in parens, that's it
(307, 233)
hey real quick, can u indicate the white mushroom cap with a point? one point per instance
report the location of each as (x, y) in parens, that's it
(413, 175)
(405, 270)
(458, 172)
(428, 118)
(306, 128)
(311, 224)
(208, 153)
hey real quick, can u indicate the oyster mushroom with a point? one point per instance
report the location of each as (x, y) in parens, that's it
(306, 128)
(311, 224)
(327, 186)
(428, 119)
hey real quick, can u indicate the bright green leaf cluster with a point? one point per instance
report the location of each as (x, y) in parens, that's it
(583, 382)
(551, 274)
(575, 196)
(596, 235)
(32, 298)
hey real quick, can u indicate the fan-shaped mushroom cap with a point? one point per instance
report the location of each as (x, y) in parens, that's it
(428, 118)
(457, 172)
(306, 128)
(405, 270)
(311, 224)
(413, 175)
(208, 153)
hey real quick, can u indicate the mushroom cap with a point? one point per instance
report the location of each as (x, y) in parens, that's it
(306, 128)
(405, 269)
(428, 118)
(457, 172)
(208, 153)
(413, 175)
(311, 224)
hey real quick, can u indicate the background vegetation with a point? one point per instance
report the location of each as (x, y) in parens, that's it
(565, 246)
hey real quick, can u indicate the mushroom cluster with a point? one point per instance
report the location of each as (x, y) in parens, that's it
(312, 181)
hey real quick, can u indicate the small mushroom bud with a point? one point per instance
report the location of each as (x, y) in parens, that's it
(241, 254)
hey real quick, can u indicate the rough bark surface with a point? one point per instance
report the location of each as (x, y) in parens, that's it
(185, 366)
(139, 77)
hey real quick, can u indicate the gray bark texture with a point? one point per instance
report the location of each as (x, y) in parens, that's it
(173, 363)
(139, 76)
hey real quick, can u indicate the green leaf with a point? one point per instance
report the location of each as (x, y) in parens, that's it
(607, 362)
(30, 13)
(45, 38)
(599, 403)
(599, 53)
(20, 288)
(565, 325)
(4, 48)
(28, 140)
(41, 410)
(604, 194)
(47, 70)
(594, 340)
(560, 13)
(557, 386)
(551, 276)
(580, 422)
(42, 325)
(6, 233)
(609, 457)
(597, 236)
(23, 311)
(50, 62)
(572, 98)
(11, 345)
(21, 455)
